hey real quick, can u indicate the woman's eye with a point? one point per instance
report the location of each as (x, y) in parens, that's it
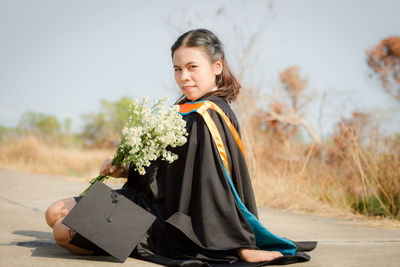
(177, 69)
(192, 67)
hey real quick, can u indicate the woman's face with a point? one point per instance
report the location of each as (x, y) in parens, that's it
(194, 73)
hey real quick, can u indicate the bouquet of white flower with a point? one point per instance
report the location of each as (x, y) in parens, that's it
(146, 136)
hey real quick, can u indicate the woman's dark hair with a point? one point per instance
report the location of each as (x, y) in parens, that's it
(228, 85)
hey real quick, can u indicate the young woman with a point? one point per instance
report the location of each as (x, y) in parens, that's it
(204, 201)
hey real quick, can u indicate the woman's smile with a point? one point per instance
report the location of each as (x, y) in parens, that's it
(188, 87)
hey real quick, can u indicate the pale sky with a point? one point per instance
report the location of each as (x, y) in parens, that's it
(62, 57)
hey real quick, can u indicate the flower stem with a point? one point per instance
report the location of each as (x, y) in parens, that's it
(100, 178)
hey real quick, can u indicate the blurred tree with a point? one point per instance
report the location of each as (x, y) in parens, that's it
(294, 85)
(384, 60)
(6, 132)
(38, 123)
(103, 129)
(67, 125)
(283, 119)
(95, 129)
(117, 113)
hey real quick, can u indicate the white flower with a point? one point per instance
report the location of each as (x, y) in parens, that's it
(149, 131)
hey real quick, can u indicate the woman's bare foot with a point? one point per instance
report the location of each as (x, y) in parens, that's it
(256, 255)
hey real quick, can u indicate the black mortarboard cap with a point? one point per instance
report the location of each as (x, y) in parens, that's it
(109, 220)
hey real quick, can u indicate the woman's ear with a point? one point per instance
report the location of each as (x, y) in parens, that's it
(218, 67)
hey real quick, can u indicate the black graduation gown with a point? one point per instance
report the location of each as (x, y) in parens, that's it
(198, 217)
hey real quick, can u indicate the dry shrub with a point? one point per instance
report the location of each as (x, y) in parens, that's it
(384, 60)
(340, 177)
(30, 154)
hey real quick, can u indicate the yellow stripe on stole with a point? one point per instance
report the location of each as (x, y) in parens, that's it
(228, 122)
(215, 134)
(187, 107)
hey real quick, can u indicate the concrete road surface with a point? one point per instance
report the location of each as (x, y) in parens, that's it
(26, 240)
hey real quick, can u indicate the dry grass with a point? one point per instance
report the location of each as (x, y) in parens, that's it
(30, 154)
(311, 186)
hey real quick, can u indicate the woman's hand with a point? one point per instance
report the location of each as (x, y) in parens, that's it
(111, 170)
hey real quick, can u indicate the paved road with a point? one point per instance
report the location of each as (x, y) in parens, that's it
(26, 240)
